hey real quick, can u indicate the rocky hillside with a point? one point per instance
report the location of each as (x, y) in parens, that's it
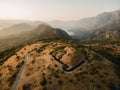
(108, 32)
(103, 26)
(22, 34)
(100, 20)
(89, 23)
(106, 26)
(57, 65)
(44, 31)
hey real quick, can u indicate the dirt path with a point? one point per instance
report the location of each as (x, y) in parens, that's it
(65, 67)
(19, 78)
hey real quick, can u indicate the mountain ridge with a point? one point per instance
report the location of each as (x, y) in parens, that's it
(88, 23)
(43, 31)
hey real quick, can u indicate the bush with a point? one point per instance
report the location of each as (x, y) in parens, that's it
(59, 48)
(44, 88)
(50, 82)
(103, 80)
(94, 70)
(64, 88)
(43, 82)
(26, 87)
(33, 61)
(111, 86)
(56, 65)
(0, 74)
(41, 48)
(20, 65)
(60, 82)
(17, 57)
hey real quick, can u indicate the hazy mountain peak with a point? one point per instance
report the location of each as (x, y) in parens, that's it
(89, 23)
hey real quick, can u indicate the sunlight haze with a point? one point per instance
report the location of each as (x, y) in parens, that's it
(47, 10)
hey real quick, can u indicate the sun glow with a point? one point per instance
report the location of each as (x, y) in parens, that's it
(54, 10)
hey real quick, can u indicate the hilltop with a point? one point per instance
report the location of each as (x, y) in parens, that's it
(20, 34)
(37, 66)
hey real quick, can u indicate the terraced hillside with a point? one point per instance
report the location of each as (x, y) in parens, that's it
(57, 65)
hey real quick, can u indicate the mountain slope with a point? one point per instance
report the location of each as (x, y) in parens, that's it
(39, 70)
(16, 29)
(89, 23)
(8, 23)
(108, 32)
(105, 26)
(43, 31)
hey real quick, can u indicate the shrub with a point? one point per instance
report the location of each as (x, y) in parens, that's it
(70, 80)
(60, 82)
(92, 80)
(20, 64)
(50, 82)
(64, 88)
(111, 86)
(33, 61)
(56, 65)
(43, 81)
(44, 88)
(94, 70)
(15, 74)
(56, 76)
(17, 57)
(103, 80)
(26, 87)
(0, 74)
(43, 74)
(59, 48)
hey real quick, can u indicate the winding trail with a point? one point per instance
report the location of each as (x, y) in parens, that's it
(68, 69)
(65, 67)
(19, 78)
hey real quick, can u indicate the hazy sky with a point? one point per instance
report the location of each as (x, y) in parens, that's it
(55, 9)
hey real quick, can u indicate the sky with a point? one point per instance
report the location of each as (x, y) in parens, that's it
(48, 10)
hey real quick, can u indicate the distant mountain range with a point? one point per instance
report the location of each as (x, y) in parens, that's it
(87, 27)
(88, 23)
(16, 29)
(9, 23)
(107, 32)
(91, 27)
